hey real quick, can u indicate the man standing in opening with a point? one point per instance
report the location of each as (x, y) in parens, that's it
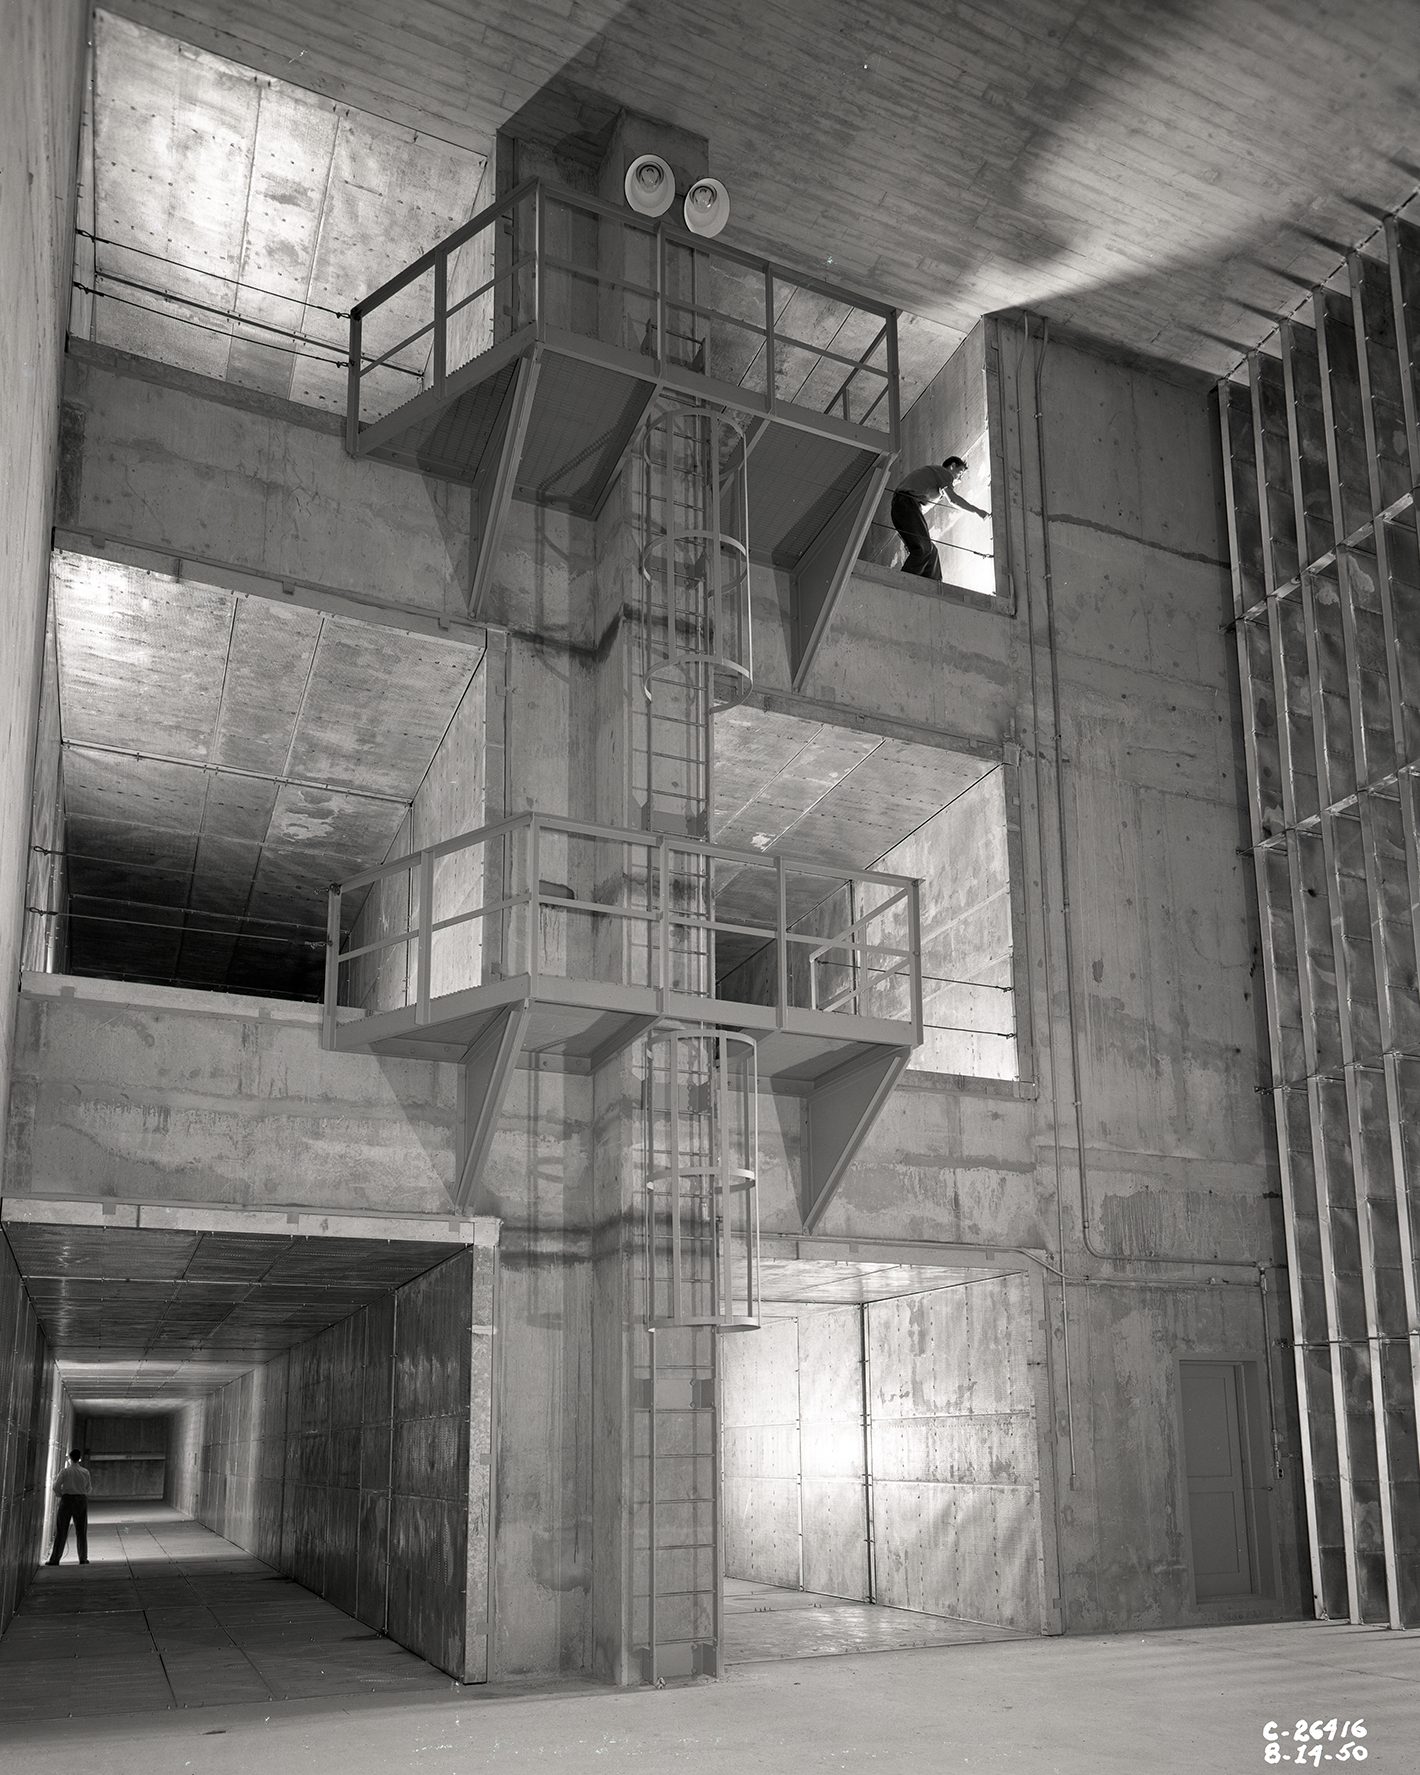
(924, 487)
(72, 1490)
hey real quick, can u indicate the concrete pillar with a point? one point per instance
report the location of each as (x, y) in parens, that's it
(583, 741)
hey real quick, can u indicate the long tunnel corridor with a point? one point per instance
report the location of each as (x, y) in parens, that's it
(168, 1614)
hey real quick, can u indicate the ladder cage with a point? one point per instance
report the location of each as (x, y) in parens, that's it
(695, 557)
(701, 1204)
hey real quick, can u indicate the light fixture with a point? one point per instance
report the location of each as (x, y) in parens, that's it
(707, 207)
(650, 185)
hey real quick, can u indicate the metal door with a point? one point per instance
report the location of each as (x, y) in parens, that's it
(1215, 1457)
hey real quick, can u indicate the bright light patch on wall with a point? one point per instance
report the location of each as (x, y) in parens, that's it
(227, 220)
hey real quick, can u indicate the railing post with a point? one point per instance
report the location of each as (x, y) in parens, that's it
(783, 944)
(894, 416)
(915, 965)
(352, 386)
(533, 920)
(660, 298)
(426, 934)
(673, 1155)
(441, 321)
(770, 394)
(332, 966)
(537, 256)
(663, 894)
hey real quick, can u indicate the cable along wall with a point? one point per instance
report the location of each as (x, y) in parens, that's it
(1321, 456)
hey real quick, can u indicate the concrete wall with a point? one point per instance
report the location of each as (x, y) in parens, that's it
(961, 857)
(949, 418)
(154, 1094)
(761, 1455)
(795, 1503)
(360, 1463)
(833, 1451)
(538, 1181)
(173, 464)
(450, 801)
(956, 1524)
(184, 1475)
(1118, 596)
(39, 123)
(28, 1420)
(946, 1410)
(1123, 621)
(46, 939)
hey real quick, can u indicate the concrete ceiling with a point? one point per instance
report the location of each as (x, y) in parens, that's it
(835, 794)
(226, 757)
(813, 792)
(146, 1315)
(1166, 176)
(228, 219)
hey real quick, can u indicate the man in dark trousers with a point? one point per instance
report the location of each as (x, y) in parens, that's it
(924, 487)
(72, 1490)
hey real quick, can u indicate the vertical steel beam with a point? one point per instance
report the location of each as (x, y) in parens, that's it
(1402, 241)
(332, 967)
(1357, 1062)
(352, 386)
(1236, 468)
(441, 321)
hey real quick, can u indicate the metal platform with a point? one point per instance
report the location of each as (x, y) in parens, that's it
(544, 327)
(563, 943)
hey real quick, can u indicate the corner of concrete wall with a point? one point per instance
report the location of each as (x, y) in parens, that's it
(40, 77)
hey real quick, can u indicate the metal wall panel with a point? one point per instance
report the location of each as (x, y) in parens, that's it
(359, 1463)
(1321, 454)
(26, 1381)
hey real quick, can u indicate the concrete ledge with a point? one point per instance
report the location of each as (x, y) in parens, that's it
(939, 589)
(87, 990)
(917, 1253)
(91, 990)
(196, 1217)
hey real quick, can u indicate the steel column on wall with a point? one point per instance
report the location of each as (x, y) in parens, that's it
(1321, 455)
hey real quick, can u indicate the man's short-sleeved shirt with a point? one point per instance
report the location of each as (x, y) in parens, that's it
(73, 1482)
(925, 484)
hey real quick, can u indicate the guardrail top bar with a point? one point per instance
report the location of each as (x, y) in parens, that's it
(650, 841)
(543, 193)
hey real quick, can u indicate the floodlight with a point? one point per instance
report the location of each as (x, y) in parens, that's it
(650, 185)
(707, 207)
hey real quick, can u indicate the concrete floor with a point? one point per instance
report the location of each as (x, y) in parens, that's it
(168, 1615)
(764, 1621)
(1128, 1705)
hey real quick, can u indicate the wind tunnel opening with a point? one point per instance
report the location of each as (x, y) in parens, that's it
(953, 416)
(854, 800)
(289, 1440)
(209, 760)
(880, 1462)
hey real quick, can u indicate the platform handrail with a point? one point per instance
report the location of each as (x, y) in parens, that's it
(664, 859)
(537, 261)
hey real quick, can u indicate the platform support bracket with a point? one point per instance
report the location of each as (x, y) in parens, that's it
(493, 493)
(487, 1066)
(819, 577)
(841, 1110)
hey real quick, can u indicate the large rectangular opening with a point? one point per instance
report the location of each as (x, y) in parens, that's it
(951, 417)
(262, 1394)
(857, 799)
(880, 1462)
(210, 760)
